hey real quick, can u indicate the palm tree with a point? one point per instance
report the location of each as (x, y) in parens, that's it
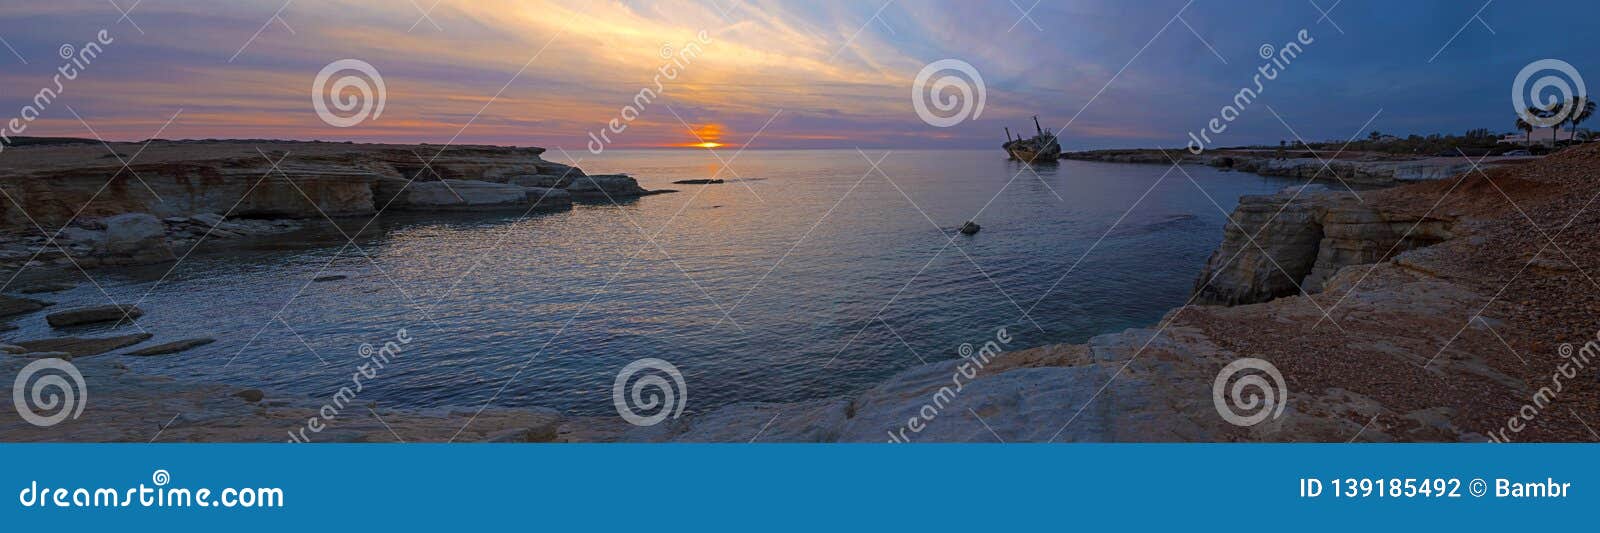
(1532, 113)
(1527, 130)
(1583, 109)
(1555, 110)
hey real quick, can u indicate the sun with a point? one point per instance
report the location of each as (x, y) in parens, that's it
(705, 136)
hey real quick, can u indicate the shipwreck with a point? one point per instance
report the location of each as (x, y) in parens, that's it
(1041, 148)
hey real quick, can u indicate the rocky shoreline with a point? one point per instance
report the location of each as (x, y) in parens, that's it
(1430, 311)
(1354, 169)
(175, 194)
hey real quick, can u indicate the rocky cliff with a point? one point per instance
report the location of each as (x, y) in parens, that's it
(222, 189)
(1293, 241)
(51, 184)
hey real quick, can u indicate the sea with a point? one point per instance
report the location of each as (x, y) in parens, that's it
(806, 274)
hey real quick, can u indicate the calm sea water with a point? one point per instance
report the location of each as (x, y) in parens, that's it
(807, 275)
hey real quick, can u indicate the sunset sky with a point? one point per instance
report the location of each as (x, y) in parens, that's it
(826, 74)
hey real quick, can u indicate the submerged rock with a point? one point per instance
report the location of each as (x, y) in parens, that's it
(250, 395)
(335, 277)
(698, 182)
(93, 315)
(172, 347)
(83, 346)
(46, 355)
(45, 287)
(970, 228)
(11, 305)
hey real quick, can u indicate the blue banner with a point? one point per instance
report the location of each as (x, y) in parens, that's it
(375, 487)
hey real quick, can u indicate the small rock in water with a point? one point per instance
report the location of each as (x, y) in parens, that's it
(92, 315)
(47, 355)
(970, 228)
(250, 395)
(172, 347)
(80, 347)
(335, 277)
(45, 287)
(698, 182)
(16, 306)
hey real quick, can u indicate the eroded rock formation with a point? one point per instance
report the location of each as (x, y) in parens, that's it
(1293, 241)
(176, 193)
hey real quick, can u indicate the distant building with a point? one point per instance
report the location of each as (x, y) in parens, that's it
(1540, 136)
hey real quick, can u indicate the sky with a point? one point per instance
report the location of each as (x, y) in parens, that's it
(775, 74)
